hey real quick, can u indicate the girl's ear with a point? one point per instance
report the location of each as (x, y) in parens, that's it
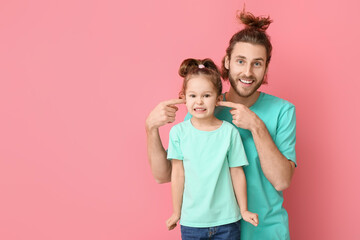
(182, 96)
(219, 98)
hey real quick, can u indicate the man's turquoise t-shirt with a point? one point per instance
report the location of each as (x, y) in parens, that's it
(263, 199)
(208, 198)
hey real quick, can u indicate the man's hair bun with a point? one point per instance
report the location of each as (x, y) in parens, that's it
(250, 21)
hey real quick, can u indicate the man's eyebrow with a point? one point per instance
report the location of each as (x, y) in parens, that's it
(243, 57)
(239, 56)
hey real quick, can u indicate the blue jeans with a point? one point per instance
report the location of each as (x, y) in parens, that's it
(224, 232)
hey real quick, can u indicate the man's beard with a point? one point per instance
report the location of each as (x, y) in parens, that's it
(235, 82)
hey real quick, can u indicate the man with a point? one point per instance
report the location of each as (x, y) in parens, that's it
(267, 126)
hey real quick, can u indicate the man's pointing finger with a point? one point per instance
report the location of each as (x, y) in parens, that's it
(227, 104)
(174, 102)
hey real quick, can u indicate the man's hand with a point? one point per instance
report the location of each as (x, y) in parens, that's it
(250, 217)
(243, 117)
(171, 223)
(163, 113)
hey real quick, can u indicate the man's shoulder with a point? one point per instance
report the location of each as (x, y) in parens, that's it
(274, 101)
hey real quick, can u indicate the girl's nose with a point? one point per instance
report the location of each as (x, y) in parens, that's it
(199, 100)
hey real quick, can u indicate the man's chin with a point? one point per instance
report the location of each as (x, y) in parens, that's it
(244, 93)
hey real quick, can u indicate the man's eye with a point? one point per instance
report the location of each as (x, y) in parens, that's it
(240, 61)
(257, 64)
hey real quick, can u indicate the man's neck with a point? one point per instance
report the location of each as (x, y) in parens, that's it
(232, 96)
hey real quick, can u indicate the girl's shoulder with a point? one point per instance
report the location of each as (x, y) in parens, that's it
(181, 126)
(229, 126)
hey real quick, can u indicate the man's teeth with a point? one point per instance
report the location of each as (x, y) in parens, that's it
(246, 81)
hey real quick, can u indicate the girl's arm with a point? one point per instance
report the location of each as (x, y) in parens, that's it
(177, 189)
(239, 185)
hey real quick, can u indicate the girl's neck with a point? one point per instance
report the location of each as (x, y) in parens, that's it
(206, 124)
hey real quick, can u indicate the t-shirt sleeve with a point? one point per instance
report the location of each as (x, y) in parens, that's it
(236, 154)
(174, 149)
(286, 134)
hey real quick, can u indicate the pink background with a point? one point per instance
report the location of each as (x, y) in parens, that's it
(78, 78)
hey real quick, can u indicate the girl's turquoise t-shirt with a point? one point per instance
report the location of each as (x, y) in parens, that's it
(208, 198)
(263, 199)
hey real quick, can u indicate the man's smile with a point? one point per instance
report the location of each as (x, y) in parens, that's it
(246, 81)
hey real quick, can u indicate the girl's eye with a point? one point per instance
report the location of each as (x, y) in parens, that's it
(192, 95)
(207, 95)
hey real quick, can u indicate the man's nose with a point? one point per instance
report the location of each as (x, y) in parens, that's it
(248, 70)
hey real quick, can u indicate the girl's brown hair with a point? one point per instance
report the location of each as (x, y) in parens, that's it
(254, 32)
(193, 67)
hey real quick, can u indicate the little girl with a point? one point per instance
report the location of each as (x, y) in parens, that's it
(208, 182)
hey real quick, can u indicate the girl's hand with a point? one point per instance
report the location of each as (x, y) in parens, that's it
(171, 223)
(250, 217)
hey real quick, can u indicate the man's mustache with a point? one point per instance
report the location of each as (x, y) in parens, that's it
(248, 78)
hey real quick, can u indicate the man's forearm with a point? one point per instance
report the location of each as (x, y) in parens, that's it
(276, 167)
(160, 166)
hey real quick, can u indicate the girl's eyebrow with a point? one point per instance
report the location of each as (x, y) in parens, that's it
(210, 91)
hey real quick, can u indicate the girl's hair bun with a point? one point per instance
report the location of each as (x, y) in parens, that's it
(187, 65)
(191, 65)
